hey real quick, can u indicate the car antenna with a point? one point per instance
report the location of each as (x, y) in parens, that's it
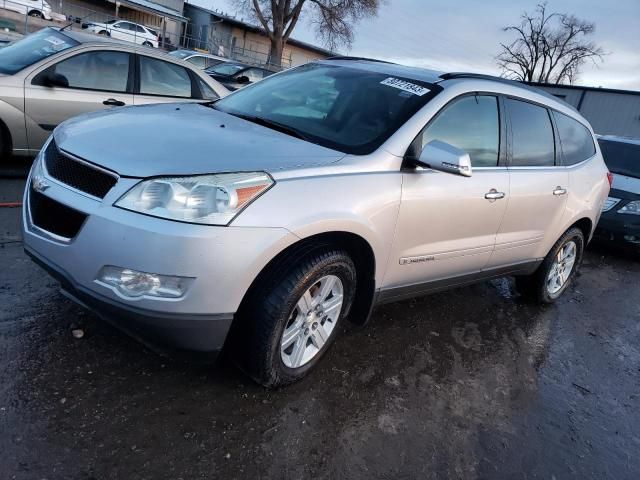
(78, 21)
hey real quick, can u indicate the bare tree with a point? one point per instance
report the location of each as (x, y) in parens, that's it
(332, 19)
(549, 47)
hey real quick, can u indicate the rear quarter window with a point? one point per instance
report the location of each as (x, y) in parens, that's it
(575, 139)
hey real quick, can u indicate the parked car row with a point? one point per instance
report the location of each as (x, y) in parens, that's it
(264, 220)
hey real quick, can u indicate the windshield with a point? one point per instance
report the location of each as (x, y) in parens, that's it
(346, 109)
(621, 157)
(226, 69)
(33, 48)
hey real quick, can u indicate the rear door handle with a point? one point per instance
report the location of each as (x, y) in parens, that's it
(493, 195)
(560, 191)
(113, 102)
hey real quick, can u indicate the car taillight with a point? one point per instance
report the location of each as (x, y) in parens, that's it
(610, 178)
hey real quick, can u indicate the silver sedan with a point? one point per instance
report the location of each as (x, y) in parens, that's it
(52, 75)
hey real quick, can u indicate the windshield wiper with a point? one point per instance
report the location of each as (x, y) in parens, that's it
(271, 124)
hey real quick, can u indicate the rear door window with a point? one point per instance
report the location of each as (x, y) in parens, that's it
(621, 157)
(575, 139)
(470, 124)
(532, 142)
(158, 77)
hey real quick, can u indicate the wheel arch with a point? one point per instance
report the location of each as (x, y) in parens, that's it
(355, 245)
(6, 142)
(586, 225)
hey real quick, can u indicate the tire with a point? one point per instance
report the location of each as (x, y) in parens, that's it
(260, 348)
(147, 44)
(104, 32)
(36, 14)
(545, 287)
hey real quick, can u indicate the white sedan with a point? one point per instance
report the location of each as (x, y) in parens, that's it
(34, 8)
(123, 30)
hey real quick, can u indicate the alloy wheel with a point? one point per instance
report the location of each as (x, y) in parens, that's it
(312, 321)
(562, 267)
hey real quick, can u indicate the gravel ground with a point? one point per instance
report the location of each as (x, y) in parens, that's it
(471, 383)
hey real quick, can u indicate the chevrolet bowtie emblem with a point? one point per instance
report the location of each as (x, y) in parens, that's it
(39, 184)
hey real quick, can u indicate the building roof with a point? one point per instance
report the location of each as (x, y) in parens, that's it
(588, 89)
(258, 29)
(153, 7)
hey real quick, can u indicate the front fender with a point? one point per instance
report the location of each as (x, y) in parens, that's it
(362, 204)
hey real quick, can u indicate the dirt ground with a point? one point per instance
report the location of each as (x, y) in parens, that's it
(471, 383)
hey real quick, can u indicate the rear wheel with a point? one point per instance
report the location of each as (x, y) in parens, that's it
(290, 324)
(104, 32)
(557, 271)
(147, 44)
(36, 14)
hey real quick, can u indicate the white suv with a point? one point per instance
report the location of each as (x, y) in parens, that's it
(263, 220)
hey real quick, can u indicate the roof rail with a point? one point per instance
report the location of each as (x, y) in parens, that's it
(480, 76)
(339, 57)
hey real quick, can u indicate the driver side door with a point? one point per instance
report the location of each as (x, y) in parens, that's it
(446, 225)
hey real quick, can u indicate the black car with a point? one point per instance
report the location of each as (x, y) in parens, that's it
(620, 221)
(235, 75)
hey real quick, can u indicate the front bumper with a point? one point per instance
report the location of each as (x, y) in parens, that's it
(159, 330)
(620, 229)
(223, 261)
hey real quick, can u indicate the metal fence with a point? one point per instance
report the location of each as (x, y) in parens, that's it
(27, 16)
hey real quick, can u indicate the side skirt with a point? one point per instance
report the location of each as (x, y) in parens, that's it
(409, 291)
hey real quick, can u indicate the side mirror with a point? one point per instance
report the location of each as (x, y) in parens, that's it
(55, 80)
(243, 79)
(446, 158)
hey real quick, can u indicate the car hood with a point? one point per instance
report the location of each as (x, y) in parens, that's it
(183, 139)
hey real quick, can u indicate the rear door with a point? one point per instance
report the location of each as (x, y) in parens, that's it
(97, 79)
(446, 224)
(539, 186)
(161, 82)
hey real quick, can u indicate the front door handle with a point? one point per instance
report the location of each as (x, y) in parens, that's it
(112, 102)
(560, 191)
(493, 195)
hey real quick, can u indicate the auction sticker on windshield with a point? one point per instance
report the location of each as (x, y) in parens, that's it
(404, 85)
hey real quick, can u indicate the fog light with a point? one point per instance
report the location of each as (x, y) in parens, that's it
(134, 284)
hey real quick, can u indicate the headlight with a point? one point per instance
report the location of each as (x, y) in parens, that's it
(203, 199)
(631, 207)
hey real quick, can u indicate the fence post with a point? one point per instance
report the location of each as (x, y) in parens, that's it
(26, 22)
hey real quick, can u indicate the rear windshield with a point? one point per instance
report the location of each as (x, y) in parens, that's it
(33, 48)
(226, 69)
(181, 53)
(347, 109)
(621, 157)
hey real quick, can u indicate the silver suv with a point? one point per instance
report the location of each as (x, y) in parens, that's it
(262, 221)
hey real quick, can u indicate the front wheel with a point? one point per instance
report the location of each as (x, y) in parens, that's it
(291, 323)
(147, 44)
(557, 270)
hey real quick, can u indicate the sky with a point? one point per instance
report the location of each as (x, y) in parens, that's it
(465, 35)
